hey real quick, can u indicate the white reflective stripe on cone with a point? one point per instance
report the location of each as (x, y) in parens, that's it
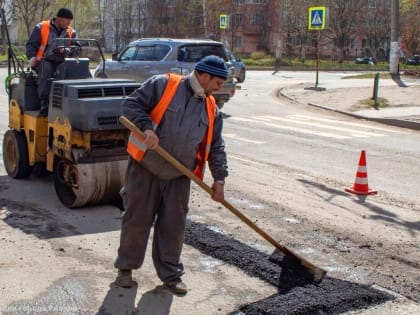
(361, 180)
(362, 169)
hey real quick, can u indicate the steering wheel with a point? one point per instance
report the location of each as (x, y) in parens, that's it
(67, 50)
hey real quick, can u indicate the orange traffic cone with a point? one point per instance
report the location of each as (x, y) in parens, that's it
(361, 186)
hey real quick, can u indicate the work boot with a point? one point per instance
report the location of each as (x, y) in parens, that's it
(124, 279)
(176, 286)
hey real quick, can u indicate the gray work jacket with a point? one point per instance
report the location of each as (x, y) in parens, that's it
(181, 129)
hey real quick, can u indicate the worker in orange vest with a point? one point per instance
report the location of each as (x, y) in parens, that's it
(41, 50)
(179, 114)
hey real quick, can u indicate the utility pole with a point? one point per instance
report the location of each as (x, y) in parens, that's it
(394, 56)
(206, 35)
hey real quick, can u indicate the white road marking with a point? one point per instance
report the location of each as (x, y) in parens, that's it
(323, 127)
(307, 131)
(303, 117)
(233, 136)
(353, 132)
(233, 156)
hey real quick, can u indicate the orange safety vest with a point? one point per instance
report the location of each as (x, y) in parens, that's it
(136, 147)
(45, 33)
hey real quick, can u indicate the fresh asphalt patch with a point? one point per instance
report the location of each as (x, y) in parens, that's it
(296, 294)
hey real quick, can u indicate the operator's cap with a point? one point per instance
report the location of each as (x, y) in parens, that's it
(213, 65)
(65, 13)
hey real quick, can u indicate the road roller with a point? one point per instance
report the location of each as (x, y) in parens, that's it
(80, 143)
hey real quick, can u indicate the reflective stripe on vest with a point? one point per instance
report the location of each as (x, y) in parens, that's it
(45, 33)
(204, 151)
(136, 147)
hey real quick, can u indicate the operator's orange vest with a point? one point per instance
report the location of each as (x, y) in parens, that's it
(136, 147)
(45, 33)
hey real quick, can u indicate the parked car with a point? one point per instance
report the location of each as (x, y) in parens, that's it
(146, 57)
(240, 70)
(413, 61)
(365, 60)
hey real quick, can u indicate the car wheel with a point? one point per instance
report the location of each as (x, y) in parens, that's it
(241, 76)
(220, 104)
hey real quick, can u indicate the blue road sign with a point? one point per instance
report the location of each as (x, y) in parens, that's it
(316, 18)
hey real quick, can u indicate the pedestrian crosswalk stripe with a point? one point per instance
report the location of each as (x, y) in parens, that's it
(234, 136)
(307, 131)
(322, 127)
(347, 123)
(353, 132)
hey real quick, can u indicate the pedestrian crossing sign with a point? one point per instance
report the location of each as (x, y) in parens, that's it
(316, 18)
(223, 21)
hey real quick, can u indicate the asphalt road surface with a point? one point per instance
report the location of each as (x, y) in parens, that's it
(289, 165)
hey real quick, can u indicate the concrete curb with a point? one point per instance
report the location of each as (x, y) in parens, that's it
(388, 121)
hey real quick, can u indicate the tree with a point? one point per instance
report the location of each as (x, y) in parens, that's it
(344, 20)
(293, 26)
(410, 26)
(30, 12)
(8, 16)
(377, 26)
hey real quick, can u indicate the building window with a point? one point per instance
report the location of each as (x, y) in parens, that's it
(371, 4)
(364, 43)
(237, 42)
(238, 19)
(240, 2)
(256, 18)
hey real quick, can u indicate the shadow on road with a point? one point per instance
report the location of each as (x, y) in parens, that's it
(397, 79)
(380, 213)
(32, 206)
(118, 301)
(122, 301)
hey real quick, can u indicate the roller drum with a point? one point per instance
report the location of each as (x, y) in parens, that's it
(78, 185)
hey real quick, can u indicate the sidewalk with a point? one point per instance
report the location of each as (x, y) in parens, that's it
(345, 96)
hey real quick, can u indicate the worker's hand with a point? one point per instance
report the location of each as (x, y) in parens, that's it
(65, 51)
(34, 61)
(218, 191)
(151, 140)
(75, 51)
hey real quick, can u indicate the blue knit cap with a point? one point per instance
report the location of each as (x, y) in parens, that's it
(213, 65)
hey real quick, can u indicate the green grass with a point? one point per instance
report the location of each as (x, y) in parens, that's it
(19, 54)
(286, 63)
(325, 64)
(370, 75)
(380, 102)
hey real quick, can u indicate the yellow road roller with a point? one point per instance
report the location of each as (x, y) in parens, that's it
(80, 142)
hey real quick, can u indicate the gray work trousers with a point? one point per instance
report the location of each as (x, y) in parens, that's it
(147, 200)
(46, 70)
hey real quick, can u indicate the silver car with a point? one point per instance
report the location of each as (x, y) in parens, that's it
(238, 65)
(144, 58)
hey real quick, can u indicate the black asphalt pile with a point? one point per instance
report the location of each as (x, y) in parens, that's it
(296, 294)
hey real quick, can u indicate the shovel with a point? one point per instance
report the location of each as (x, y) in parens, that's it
(316, 273)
